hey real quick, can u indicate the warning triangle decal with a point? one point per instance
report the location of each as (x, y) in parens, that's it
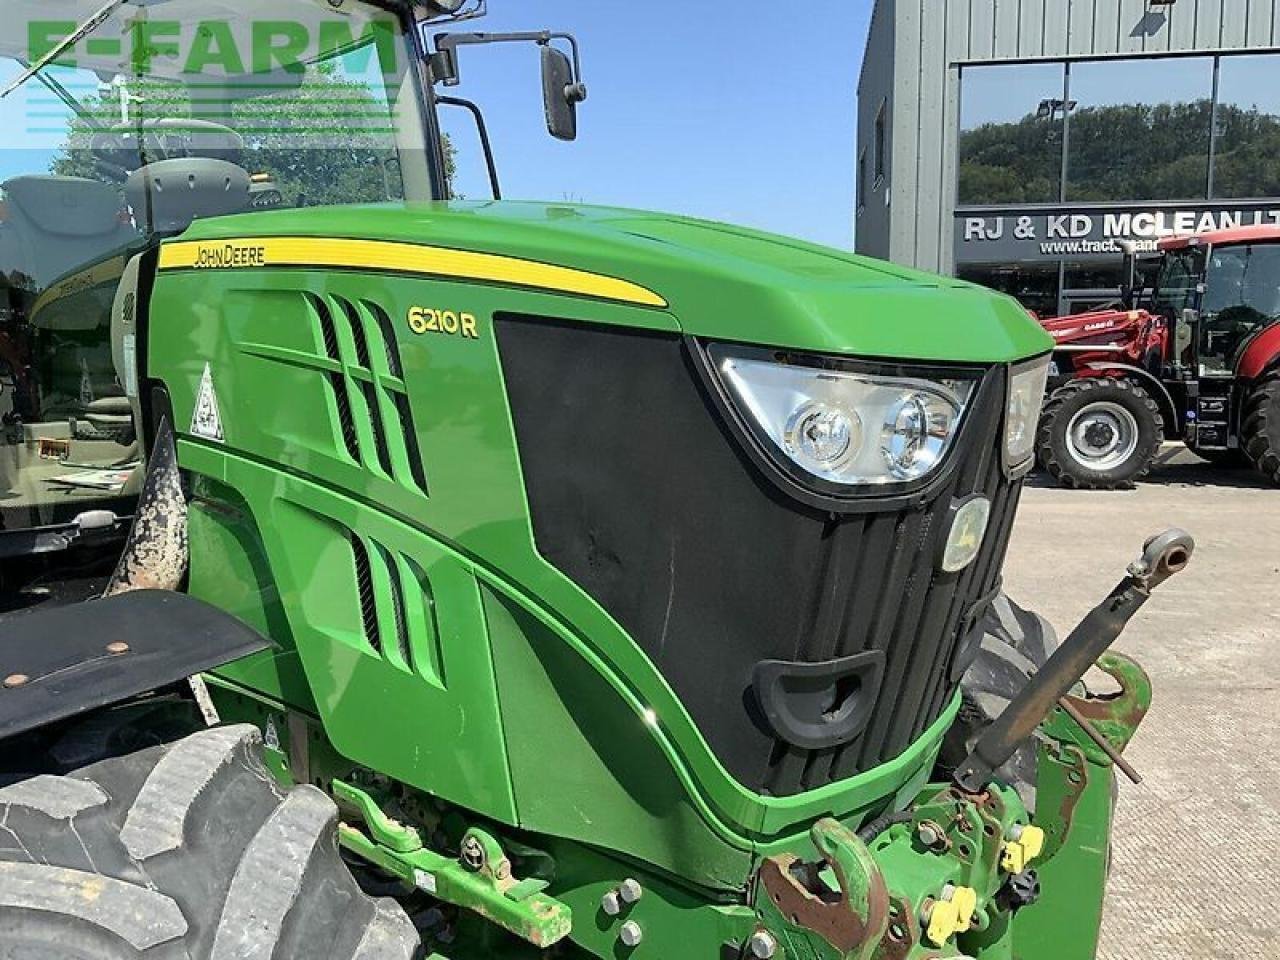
(206, 421)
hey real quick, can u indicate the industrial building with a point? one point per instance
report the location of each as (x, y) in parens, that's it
(1013, 142)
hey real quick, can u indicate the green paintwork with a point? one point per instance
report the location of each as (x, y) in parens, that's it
(474, 676)
(517, 908)
(1116, 718)
(384, 831)
(852, 896)
(722, 281)
(1075, 805)
(1076, 796)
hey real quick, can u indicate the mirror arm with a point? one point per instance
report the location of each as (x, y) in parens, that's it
(578, 92)
(444, 62)
(485, 143)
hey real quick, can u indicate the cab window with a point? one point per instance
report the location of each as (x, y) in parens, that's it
(301, 103)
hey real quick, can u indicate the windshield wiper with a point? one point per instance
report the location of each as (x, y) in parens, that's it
(80, 32)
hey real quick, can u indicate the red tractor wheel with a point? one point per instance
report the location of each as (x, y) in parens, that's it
(1261, 429)
(1099, 433)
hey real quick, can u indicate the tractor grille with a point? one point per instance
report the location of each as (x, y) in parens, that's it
(642, 495)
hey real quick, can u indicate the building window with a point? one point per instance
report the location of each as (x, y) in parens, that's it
(1139, 129)
(862, 181)
(1247, 128)
(1034, 285)
(1011, 133)
(881, 147)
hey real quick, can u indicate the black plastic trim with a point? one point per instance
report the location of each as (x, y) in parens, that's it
(68, 666)
(818, 705)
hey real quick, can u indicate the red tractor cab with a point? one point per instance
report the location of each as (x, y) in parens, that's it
(1198, 360)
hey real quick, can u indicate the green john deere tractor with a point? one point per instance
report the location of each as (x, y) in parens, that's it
(394, 576)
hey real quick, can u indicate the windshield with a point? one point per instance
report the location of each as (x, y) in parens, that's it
(1244, 279)
(1242, 295)
(299, 102)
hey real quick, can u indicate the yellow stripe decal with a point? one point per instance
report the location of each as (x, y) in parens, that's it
(259, 252)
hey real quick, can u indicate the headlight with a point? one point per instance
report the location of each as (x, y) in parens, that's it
(845, 426)
(1022, 414)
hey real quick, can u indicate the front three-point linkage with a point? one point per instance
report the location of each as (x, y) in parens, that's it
(1162, 557)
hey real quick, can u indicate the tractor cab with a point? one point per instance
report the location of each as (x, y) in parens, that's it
(127, 123)
(1218, 291)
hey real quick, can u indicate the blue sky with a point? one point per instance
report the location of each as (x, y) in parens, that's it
(728, 110)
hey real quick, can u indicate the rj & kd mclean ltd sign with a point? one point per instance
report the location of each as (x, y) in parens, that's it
(1000, 238)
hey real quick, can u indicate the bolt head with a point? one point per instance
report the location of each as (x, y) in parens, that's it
(117, 648)
(16, 680)
(630, 934)
(762, 945)
(611, 903)
(630, 890)
(928, 834)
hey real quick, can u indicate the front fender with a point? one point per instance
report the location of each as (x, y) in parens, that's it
(1168, 412)
(1261, 354)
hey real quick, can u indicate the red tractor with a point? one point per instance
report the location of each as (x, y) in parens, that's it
(1197, 360)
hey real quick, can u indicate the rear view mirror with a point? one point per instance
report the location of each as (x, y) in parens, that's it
(561, 93)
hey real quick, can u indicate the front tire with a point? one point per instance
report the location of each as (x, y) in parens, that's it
(1014, 645)
(183, 852)
(1261, 427)
(1099, 433)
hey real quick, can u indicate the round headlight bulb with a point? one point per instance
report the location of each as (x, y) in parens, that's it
(968, 526)
(906, 431)
(823, 436)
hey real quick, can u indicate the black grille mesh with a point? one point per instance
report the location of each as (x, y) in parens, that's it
(642, 495)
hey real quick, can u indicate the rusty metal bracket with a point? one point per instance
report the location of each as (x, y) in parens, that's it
(852, 919)
(1115, 717)
(1062, 779)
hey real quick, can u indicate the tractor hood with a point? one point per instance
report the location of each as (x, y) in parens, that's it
(717, 281)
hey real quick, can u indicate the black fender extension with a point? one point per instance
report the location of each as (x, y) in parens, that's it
(66, 661)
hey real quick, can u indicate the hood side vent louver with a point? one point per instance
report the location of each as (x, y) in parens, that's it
(402, 647)
(374, 412)
(365, 591)
(337, 383)
(388, 331)
(397, 611)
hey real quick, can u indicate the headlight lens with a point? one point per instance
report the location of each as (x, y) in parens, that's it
(847, 427)
(1026, 395)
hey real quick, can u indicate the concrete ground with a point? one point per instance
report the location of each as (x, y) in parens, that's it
(1197, 861)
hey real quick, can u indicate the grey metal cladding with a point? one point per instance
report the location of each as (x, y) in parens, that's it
(915, 49)
(876, 86)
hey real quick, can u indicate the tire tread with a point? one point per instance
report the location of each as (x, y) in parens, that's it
(192, 852)
(1260, 428)
(1055, 462)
